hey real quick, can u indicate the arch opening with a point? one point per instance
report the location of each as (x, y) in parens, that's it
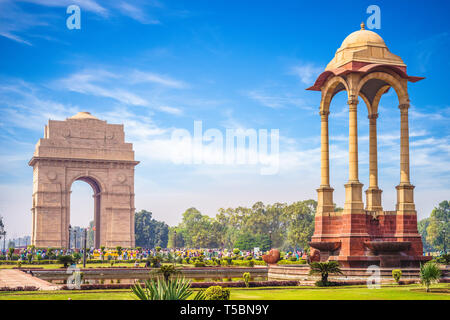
(83, 213)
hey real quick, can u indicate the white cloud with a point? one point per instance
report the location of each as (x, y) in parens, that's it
(171, 110)
(307, 73)
(277, 101)
(142, 77)
(136, 13)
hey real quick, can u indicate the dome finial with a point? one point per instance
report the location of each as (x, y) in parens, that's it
(363, 26)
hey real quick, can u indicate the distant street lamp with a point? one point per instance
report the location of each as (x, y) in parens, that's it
(4, 239)
(445, 241)
(175, 239)
(70, 231)
(445, 238)
(84, 247)
(270, 239)
(175, 248)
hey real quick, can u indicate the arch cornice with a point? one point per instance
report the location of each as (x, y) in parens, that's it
(394, 81)
(88, 178)
(328, 91)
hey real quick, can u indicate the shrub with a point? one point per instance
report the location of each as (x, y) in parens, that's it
(155, 261)
(320, 283)
(251, 263)
(293, 259)
(158, 249)
(66, 260)
(217, 293)
(443, 259)
(246, 277)
(76, 256)
(199, 264)
(167, 271)
(397, 274)
(236, 251)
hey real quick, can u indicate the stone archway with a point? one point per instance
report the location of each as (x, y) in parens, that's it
(83, 148)
(95, 185)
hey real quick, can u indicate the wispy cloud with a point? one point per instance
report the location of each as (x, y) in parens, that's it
(136, 13)
(306, 72)
(276, 101)
(142, 77)
(16, 21)
(88, 5)
(116, 85)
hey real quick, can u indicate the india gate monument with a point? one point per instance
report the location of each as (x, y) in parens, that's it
(363, 235)
(83, 148)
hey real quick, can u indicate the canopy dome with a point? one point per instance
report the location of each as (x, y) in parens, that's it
(83, 115)
(364, 46)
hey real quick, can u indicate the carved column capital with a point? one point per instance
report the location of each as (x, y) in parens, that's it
(403, 107)
(324, 114)
(352, 103)
(373, 116)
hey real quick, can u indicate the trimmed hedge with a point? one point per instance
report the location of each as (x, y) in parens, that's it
(26, 288)
(200, 285)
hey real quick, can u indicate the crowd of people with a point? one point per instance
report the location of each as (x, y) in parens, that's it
(142, 253)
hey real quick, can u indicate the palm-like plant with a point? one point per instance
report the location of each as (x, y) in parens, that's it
(172, 289)
(167, 271)
(429, 273)
(324, 269)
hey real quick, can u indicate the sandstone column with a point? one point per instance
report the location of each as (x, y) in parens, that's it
(353, 141)
(353, 217)
(404, 144)
(405, 199)
(325, 192)
(373, 194)
(406, 221)
(324, 150)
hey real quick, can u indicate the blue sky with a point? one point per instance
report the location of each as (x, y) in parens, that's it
(157, 66)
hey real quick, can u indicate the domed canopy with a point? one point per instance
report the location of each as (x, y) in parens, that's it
(364, 46)
(83, 115)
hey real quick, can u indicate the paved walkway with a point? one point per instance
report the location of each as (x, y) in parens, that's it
(13, 278)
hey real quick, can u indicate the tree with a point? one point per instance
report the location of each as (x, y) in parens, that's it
(150, 233)
(422, 226)
(300, 219)
(2, 226)
(248, 241)
(439, 226)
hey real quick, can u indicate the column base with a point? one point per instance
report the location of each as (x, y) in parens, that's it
(353, 198)
(405, 199)
(325, 200)
(373, 199)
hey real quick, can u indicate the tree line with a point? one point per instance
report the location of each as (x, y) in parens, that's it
(278, 225)
(281, 225)
(436, 228)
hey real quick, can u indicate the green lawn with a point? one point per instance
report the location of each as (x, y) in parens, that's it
(410, 292)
